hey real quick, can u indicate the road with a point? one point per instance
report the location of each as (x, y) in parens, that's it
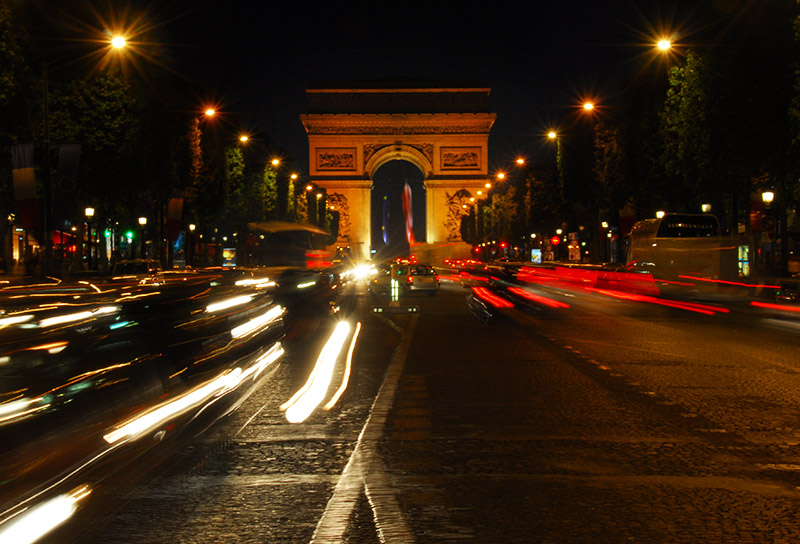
(609, 420)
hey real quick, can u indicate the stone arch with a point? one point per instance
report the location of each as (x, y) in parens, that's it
(444, 132)
(399, 151)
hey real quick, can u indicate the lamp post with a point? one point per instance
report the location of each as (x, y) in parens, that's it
(89, 213)
(118, 43)
(190, 245)
(769, 224)
(143, 225)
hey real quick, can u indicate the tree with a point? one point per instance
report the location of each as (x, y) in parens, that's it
(685, 124)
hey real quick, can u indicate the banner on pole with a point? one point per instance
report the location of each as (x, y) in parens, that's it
(174, 216)
(25, 185)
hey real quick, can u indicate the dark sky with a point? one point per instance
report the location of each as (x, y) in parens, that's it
(539, 57)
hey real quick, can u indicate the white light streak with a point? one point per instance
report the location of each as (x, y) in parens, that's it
(306, 284)
(160, 414)
(257, 323)
(308, 397)
(257, 282)
(34, 523)
(5, 321)
(78, 316)
(229, 303)
(227, 381)
(346, 377)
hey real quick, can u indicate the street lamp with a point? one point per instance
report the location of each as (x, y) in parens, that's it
(118, 43)
(190, 249)
(89, 213)
(767, 197)
(143, 224)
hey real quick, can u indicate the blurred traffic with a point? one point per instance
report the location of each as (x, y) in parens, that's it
(94, 373)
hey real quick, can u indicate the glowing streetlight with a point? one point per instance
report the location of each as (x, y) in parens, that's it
(309, 188)
(588, 106)
(119, 42)
(275, 162)
(488, 185)
(664, 45)
(767, 197)
(143, 224)
(552, 135)
(89, 213)
(520, 161)
(705, 207)
(210, 112)
(659, 214)
(293, 176)
(243, 138)
(501, 175)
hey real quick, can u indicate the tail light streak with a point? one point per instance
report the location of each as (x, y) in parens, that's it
(487, 296)
(538, 298)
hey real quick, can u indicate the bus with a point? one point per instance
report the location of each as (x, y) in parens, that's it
(681, 245)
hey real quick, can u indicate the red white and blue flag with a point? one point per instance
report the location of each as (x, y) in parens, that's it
(408, 214)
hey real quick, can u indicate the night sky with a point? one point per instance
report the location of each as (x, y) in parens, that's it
(255, 59)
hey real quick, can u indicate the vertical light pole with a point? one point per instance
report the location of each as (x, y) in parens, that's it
(89, 213)
(768, 197)
(190, 245)
(143, 225)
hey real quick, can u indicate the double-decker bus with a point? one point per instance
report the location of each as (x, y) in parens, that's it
(677, 245)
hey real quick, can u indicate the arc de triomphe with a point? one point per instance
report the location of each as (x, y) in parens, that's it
(444, 132)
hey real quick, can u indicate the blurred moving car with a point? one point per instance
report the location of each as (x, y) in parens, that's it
(416, 277)
(419, 277)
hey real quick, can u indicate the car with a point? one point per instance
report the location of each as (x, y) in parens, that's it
(419, 277)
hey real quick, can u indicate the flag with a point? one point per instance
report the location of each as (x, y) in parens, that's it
(385, 225)
(408, 214)
(174, 216)
(25, 185)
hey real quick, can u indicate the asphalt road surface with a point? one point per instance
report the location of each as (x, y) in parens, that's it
(609, 420)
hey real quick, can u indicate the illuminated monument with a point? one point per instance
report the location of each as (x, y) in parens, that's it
(444, 132)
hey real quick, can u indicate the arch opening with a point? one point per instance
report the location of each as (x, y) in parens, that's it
(388, 220)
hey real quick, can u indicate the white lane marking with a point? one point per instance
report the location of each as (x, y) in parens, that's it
(364, 469)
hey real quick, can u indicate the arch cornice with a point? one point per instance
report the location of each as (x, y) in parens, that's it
(398, 151)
